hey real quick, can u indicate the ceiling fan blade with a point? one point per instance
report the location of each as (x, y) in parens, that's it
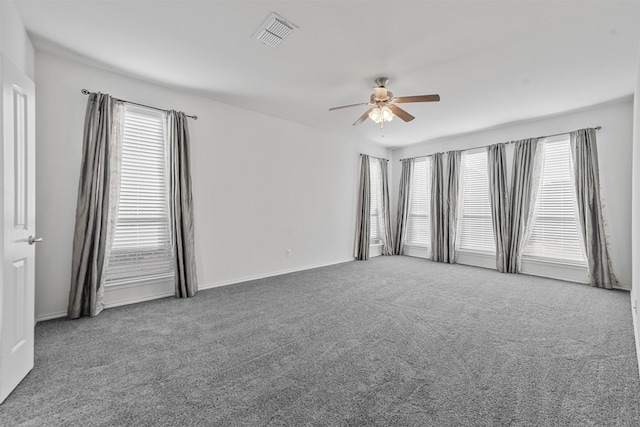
(347, 106)
(401, 113)
(363, 117)
(418, 98)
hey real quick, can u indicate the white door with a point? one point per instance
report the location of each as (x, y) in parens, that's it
(17, 186)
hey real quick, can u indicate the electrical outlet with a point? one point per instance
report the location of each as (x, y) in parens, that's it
(288, 253)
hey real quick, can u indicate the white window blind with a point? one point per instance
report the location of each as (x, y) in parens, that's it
(419, 222)
(477, 230)
(375, 178)
(142, 246)
(555, 233)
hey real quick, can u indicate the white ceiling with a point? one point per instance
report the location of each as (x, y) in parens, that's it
(492, 62)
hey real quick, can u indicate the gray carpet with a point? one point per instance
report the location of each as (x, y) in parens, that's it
(391, 341)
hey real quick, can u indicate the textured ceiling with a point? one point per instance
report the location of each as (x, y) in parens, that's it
(492, 62)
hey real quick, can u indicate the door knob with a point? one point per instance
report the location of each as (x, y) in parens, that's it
(33, 240)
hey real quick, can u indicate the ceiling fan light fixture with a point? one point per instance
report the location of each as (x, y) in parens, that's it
(387, 114)
(375, 115)
(381, 114)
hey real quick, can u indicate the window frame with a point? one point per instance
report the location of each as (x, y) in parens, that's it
(375, 235)
(426, 214)
(160, 279)
(463, 251)
(553, 259)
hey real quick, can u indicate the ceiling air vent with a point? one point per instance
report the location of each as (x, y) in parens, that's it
(273, 30)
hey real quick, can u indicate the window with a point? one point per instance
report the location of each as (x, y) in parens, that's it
(141, 247)
(375, 177)
(419, 223)
(476, 230)
(555, 233)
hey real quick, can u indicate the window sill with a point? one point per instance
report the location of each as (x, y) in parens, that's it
(134, 292)
(477, 259)
(571, 272)
(142, 281)
(375, 249)
(417, 251)
(554, 261)
(535, 267)
(478, 253)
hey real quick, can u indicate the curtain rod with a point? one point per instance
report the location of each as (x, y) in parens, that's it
(558, 134)
(510, 142)
(374, 157)
(86, 92)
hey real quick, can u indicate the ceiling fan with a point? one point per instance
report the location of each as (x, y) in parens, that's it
(383, 104)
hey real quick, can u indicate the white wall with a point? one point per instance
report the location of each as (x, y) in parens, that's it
(14, 41)
(614, 152)
(261, 184)
(635, 252)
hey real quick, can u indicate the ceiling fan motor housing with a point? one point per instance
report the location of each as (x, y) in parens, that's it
(380, 92)
(382, 81)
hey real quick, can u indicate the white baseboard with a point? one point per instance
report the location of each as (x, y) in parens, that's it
(558, 271)
(634, 316)
(50, 316)
(133, 299)
(276, 273)
(61, 314)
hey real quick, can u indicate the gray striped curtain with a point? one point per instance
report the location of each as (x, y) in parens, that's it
(589, 208)
(454, 159)
(524, 187)
(95, 209)
(438, 212)
(385, 207)
(363, 220)
(181, 206)
(499, 197)
(404, 204)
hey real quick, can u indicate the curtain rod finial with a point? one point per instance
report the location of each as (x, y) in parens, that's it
(85, 92)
